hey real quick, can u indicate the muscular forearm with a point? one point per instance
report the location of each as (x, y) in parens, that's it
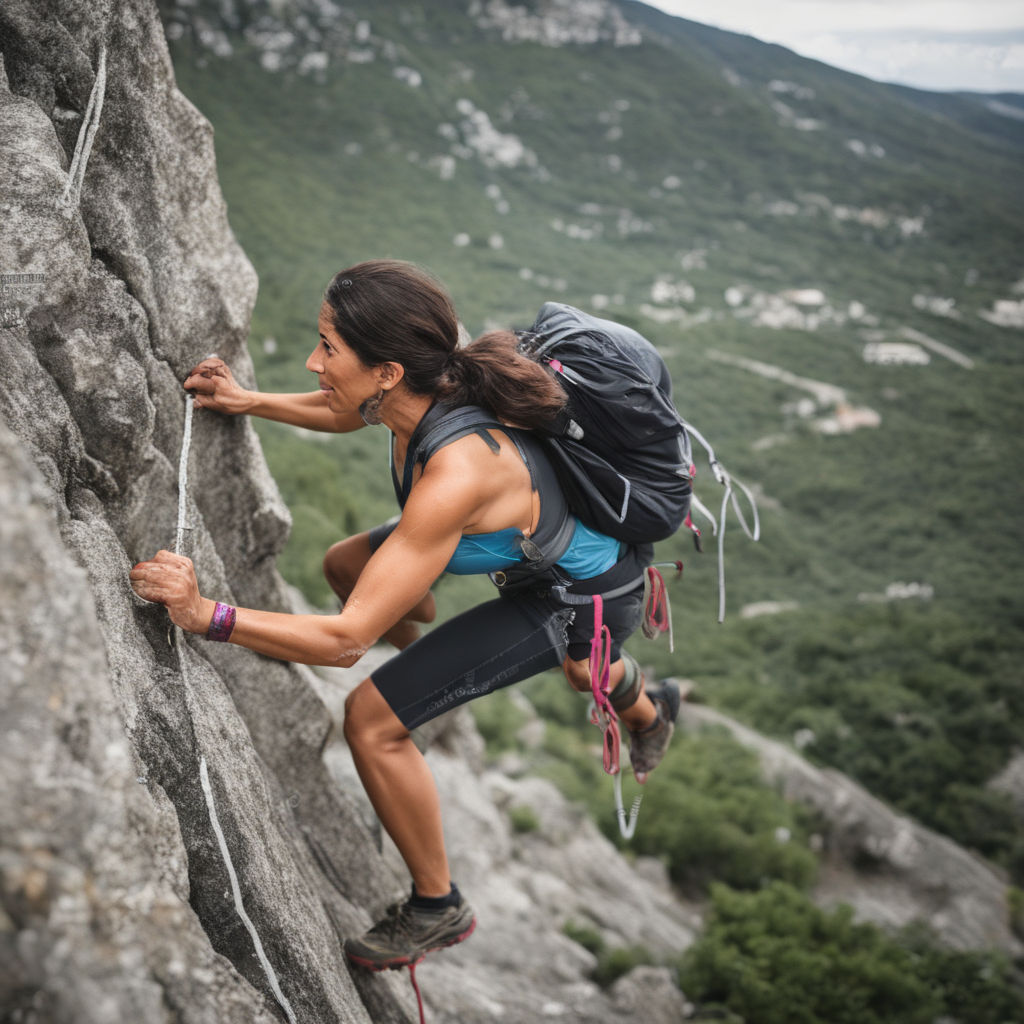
(308, 639)
(308, 410)
(339, 639)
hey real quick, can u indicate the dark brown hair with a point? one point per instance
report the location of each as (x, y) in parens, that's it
(392, 311)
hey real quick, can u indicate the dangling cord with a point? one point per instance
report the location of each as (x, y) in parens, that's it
(416, 989)
(603, 715)
(626, 828)
(722, 476)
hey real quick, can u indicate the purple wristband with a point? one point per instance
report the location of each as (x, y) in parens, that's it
(222, 623)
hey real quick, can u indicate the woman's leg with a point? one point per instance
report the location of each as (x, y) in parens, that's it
(639, 716)
(344, 562)
(400, 786)
(490, 646)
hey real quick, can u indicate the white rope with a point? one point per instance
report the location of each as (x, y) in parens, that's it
(204, 778)
(721, 474)
(204, 775)
(86, 134)
(186, 444)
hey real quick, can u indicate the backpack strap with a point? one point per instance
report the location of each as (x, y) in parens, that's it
(443, 425)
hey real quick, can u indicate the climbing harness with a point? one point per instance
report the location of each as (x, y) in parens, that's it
(204, 774)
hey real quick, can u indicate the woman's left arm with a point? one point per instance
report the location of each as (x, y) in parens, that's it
(396, 577)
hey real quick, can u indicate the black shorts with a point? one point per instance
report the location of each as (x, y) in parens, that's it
(506, 641)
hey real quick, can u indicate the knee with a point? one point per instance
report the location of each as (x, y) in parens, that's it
(369, 722)
(342, 564)
(578, 674)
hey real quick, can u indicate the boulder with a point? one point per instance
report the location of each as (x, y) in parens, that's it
(889, 868)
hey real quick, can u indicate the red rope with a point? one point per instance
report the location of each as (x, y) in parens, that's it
(416, 989)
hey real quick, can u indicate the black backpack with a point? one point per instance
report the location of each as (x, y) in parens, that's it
(621, 450)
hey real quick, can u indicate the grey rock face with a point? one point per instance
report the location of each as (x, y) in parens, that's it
(119, 271)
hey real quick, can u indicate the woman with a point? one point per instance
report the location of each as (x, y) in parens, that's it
(387, 353)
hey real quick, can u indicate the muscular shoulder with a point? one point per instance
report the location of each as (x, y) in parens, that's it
(467, 468)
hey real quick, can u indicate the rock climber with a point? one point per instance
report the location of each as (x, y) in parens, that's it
(388, 351)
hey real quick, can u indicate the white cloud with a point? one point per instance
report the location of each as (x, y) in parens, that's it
(945, 44)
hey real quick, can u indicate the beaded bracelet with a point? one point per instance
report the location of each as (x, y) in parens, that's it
(222, 623)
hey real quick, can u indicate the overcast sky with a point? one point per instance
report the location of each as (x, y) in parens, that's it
(939, 44)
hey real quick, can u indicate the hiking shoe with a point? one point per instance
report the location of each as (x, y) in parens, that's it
(407, 935)
(647, 746)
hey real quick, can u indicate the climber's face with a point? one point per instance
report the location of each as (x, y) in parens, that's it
(344, 381)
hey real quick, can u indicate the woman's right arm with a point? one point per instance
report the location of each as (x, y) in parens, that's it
(215, 387)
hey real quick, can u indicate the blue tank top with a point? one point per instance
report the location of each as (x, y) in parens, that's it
(589, 553)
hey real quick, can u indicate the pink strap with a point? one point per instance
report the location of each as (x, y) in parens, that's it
(656, 610)
(603, 715)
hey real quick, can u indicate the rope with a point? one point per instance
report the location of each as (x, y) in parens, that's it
(83, 147)
(416, 989)
(204, 775)
(236, 892)
(186, 444)
(626, 828)
(657, 608)
(603, 715)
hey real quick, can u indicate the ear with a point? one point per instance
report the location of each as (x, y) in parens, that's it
(389, 375)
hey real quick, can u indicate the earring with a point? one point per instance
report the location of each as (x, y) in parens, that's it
(370, 409)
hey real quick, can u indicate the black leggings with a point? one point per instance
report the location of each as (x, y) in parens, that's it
(506, 641)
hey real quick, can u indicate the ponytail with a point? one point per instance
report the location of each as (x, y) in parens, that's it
(490, 372)
(391, 311)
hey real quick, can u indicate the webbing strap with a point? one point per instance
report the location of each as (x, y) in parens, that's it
(603, 716)
(657, 610)
(562, 593)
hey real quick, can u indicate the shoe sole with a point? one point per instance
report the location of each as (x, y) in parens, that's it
(395, 963)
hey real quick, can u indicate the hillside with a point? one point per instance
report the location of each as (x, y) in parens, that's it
(831, 266)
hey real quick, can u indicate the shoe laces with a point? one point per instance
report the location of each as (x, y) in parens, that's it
(397, 921)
